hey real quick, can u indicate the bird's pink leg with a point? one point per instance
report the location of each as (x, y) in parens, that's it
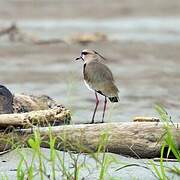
(104, 109)
(97, 102)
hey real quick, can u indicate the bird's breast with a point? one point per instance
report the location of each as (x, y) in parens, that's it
(88, 85)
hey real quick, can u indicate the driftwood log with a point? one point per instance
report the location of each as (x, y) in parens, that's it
(142, 139)
(21, 103)
(15, 34)
(26, 103)
(21, 110)
(55, 116)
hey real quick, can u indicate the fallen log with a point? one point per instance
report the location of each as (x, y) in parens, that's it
(25, 103)
(146, 119)
(142, 139)
(55, 116)
(21, 103)
(88, 38)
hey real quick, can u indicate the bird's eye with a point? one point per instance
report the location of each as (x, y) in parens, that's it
(84, 53)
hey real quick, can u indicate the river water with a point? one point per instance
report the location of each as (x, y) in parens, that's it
(142, 50)
(142, 53)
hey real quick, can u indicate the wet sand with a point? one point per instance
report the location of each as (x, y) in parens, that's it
(92, 169)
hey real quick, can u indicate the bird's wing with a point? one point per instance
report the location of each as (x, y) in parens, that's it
(100, 78)
(97, 72)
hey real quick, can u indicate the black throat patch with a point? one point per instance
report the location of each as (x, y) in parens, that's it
(84, 68)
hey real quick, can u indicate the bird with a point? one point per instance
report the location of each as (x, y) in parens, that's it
(98, 78)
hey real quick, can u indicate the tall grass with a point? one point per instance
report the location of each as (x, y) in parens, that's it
(3, 177)
(103, 160)
(168, 142)
(58, 161)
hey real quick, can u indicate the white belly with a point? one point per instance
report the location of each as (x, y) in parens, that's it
(88, 86)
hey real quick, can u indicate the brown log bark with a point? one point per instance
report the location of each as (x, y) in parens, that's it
(25, 103)
(146, 119)
(58, 115)
(143, 139)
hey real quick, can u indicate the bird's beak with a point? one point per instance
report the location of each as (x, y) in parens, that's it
(78, 58)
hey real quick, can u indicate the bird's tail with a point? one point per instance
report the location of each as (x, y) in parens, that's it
(114, 99)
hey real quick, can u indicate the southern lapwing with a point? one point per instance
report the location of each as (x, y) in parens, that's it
(98, 77)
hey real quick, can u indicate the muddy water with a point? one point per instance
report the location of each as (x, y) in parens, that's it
(145, 73)
(142, 51)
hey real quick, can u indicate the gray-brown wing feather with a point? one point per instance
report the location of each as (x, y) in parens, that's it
(100, 78)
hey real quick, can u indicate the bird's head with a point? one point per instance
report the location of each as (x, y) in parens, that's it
(89, 55)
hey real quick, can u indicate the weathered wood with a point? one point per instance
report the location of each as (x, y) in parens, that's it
(143, 139)
(58, 115)
(25, 103)
(14, 33)
(21, 103)
(88, 38)
(146, 119)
